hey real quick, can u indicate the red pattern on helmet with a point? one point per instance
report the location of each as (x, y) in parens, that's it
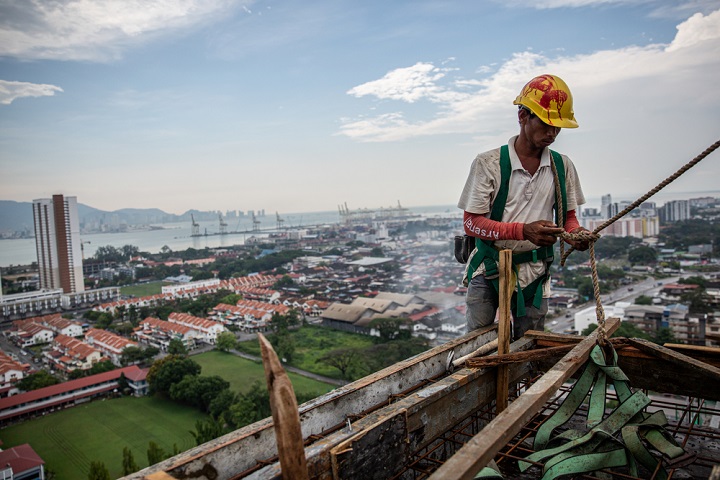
(546, 84)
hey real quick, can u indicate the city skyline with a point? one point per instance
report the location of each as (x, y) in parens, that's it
(299, 107)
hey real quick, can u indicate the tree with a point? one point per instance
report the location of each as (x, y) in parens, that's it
(128, 463)
(284, 346)
(284, 282)
(225, 341)
(280, 323)
(391, 329)
(626, 329)
(664, 335)
(220, 405)
(37, 380)
(197, 390)
(642, 255)
(207, 430)
(131, 355)
(252, 406)
(343, 359)
(643, 300)
(177, 347)
(98, 471)
(696, 300)
(155, 454)
(170, 370)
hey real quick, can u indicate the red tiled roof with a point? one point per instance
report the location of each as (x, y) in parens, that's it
(21, 458)
(66, 387)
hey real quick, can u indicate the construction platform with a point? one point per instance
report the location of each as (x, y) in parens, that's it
(425, 418)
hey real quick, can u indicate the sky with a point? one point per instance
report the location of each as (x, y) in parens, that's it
(299, 106)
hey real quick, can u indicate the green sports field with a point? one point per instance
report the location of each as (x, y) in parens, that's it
(243, 373)
(98, 431)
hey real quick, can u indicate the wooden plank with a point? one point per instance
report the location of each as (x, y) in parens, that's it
(675, 357)
(695, 350)
(507, 286)
(286, 417)
(478, 452)
(488, 347)
(241, 451)
(429, 413)
(529, 356)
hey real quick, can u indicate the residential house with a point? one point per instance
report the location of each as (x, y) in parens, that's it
(159, 333)
(11, 370)
(209, 329)
(108, 343)
(21, 463)
(68, 354)
(26, 334)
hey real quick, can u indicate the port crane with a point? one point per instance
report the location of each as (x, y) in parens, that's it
(256, 223)
(223, 224)
(280, 221)
(195, 231)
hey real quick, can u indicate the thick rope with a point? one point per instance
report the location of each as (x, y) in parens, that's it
(592, 237)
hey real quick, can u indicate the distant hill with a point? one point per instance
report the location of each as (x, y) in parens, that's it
(17, 216)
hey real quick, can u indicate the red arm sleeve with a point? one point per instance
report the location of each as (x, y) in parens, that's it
(571, 223)
(482, 227)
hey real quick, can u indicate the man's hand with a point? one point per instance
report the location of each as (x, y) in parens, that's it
(542, 233)
(580, 245)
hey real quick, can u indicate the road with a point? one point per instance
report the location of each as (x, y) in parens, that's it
(626, 293)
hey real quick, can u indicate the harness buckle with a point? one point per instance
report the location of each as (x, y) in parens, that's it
(534, 255)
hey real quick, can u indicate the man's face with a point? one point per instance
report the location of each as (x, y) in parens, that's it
(538, 133)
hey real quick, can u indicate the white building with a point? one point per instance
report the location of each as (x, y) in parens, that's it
(208, 328)
(57, 242)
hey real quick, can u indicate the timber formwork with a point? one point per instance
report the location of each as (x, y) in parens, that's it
(420, 419)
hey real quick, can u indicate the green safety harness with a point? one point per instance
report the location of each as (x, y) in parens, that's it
(619, 439)
(488, 255)
(626, 437)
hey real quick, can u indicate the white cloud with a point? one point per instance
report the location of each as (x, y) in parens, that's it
(94, 30)
(409, 84)
(667, 76)
(697, 29)
(10, 91)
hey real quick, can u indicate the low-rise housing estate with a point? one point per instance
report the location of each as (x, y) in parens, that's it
(68, 353)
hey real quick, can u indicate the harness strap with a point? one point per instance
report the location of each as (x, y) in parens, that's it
(485, 252)
(600, 447)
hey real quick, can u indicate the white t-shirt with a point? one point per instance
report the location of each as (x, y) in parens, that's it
(530, 198)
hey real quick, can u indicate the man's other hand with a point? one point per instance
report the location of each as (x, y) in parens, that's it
(542, 233)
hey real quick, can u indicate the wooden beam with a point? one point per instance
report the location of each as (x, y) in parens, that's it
(371, 447)
(483, 447)
(286, 417)
(488, 347)
(245, 449)
(507, 286)
(675, 357)
(529, 356)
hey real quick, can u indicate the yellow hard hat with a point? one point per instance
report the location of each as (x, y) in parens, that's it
(549, 97)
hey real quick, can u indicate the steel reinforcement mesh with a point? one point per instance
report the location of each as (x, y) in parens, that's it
(694, 424)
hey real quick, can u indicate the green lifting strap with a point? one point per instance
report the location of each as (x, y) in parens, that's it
(487, 254)
(620, 439)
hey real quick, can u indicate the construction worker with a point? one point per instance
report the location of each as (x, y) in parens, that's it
(509, 201)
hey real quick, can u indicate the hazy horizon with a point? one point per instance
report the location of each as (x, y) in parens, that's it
(244, 104)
